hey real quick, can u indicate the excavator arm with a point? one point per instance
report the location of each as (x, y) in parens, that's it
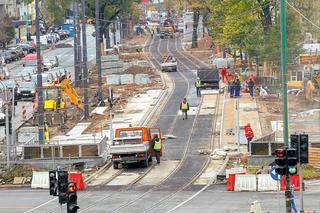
(71, 92)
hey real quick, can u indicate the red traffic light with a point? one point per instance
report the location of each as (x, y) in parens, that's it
(280, 153)
(72, 188)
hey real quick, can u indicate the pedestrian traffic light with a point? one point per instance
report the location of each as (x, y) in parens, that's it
(292, 161)
(72, 206)
(63, 186)
(304, 148)
(53, 183)
(281, 162)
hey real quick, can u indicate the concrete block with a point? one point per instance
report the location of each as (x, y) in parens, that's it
(266, 183)
(19, 180)
(40, 180)
(113, 79)
(112, 64)
(141, 79)
(108, 58)
(245, 183)
(126, 79)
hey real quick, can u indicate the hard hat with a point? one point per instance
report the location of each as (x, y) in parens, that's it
(198, 78)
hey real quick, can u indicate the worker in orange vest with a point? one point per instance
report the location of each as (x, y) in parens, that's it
(249, 134)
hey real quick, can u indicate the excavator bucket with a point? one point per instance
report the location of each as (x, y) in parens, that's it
(71, 92)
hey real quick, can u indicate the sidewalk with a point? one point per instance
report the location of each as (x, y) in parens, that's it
(248, 113)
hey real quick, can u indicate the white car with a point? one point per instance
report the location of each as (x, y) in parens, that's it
(47, 64)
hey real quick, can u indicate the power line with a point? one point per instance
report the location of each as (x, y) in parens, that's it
(303, 16)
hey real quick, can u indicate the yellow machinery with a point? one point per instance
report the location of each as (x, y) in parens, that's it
(54, 96)
(313, 87)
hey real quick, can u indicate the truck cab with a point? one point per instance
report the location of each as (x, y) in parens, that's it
(209, 78)
(133, 145)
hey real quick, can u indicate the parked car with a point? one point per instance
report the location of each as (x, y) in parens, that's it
(14, 55)
(2, 115)
(62, 35)
(7, 57)
(54, 60)
(2, 61)
(46, 77)
(27, 71)
(66, 32)
(28, 48)
(47, 64)
(26, 90)
(12, 85)
(4, 73)
(19, 50)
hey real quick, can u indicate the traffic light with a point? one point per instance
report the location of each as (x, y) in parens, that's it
(63, 186)
(53, 183)
(304, 148)
(294, 139)
(292, 161)
(72, 206)
(281, 162)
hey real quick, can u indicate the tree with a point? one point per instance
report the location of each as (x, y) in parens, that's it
(7, 31)
(111, 9)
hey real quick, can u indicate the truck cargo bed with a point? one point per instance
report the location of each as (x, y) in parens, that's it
(128, 149)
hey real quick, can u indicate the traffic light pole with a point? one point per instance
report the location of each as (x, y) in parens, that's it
(98, 48)
(85, 65)
(300, 176)
(284, 93)
(39, 79)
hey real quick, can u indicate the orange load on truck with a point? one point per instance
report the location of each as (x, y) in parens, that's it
(134, 145)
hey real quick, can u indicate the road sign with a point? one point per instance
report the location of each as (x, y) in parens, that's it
(274, 175)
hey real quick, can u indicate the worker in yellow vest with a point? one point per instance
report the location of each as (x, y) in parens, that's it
(157, 145)
(46, 131)
(198, 85)
(184, 107)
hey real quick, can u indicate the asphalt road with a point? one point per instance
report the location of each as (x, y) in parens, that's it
(66, 60)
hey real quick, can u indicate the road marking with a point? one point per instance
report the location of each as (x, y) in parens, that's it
(37, 207)
(15, 207)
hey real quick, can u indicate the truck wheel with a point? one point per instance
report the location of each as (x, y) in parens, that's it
(116, 165)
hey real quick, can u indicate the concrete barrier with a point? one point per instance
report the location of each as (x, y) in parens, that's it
(40, 180)
(235, 170)
(126, 79)
(266, 183)
(245, 183)
(113, 79)
(141, 79)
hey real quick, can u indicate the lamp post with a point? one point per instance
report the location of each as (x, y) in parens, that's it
(7, 122)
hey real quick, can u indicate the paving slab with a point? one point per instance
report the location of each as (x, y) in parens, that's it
(210, 173)
(124, 179)
(78, 129)
(159, 172)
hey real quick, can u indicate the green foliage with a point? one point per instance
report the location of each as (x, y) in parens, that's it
(7, 31)
(241, 24)
(54, 11)
(16, 171)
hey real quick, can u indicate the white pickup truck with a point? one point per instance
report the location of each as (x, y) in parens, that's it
(168, 63)
(125, 150)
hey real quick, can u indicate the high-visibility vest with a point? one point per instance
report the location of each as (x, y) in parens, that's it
(46, 132)
(198, 83)
(157, 144)
(184, 105)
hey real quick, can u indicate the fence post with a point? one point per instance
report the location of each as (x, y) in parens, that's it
(269, 148)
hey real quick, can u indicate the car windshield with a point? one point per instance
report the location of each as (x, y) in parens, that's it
(131, 133)
(29, 85)
(9, 83)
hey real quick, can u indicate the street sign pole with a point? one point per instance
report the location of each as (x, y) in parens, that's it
(278, 194)
(300, 176)
(284, 92)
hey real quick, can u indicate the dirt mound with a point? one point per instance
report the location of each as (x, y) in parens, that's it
(140, 70)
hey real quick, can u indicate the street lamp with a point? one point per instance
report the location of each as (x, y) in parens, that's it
(7, 121)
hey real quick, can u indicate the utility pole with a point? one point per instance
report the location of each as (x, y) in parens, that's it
(98, 48)
(39, 79)
(284, 93)
(85, 66)
(75, 45)
(6, 99)
(78, 80)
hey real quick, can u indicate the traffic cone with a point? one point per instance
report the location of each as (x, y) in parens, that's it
(24, 112)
